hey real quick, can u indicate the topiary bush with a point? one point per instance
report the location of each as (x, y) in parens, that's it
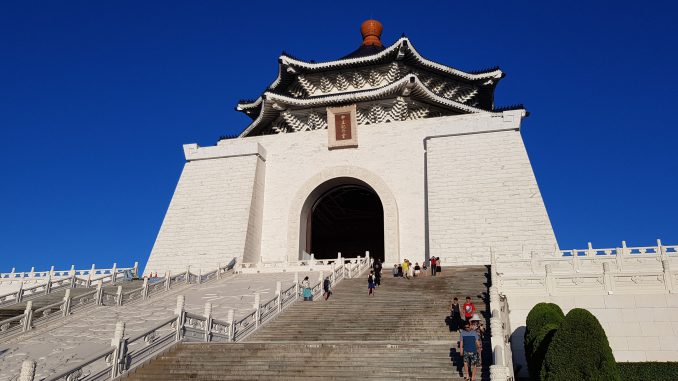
(540, 316)
(579, 351)
(643, 371)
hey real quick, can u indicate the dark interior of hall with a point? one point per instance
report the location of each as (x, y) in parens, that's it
(347, 219)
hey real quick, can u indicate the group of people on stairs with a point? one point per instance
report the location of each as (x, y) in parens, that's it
(466, 319)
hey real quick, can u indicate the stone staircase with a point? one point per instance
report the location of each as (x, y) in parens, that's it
(57, 296)
(400, 333)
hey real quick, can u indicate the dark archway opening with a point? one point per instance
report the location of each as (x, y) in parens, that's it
(347, 219)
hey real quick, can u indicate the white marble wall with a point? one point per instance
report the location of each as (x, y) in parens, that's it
(482, 192)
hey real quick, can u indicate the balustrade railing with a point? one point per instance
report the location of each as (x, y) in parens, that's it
(500, 329)
(126, 354)
(57, 280)
(620, 259)
(30, 319)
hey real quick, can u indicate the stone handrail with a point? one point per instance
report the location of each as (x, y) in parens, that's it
(310, 264)
(127, 354)
(500, 328)
(31, 319)
(649, 276)
(620, 259)
(38, 276)
(57, 280)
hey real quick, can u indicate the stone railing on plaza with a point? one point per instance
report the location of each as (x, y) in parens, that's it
(127, 353)
(350, 265)
(500, 328)
(50, 281)
(69, 305)
(639, 270)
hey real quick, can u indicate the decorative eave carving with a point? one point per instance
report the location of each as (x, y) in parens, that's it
(272, 105)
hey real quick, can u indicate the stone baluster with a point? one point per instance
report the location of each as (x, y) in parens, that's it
(48, 284)
(144, 290)
(607, 279)
(199, 276)
(188, 274)
(231, 325)
(114, 273)
(32, 273)
(661, 251)
(368, 260)
(118, 296)
(168, 280)
(71, 274)
(257, 307)
(135, 269)
(20, 292)
(668, 276)
(99, 296)
(27, 370)
(118, 341)
(548, 279)
(333, 276)
(590, 252)
(499, 370)
(208, 322)
(576, 265)
(624, 252)
(66, 306)
(51, 272)
(339, 258)
(179, 311)
(278, 295)
(90, 275)
(218, 271)
(28, 317)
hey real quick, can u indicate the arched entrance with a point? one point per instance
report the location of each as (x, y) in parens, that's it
(324, 181)
(349, 219)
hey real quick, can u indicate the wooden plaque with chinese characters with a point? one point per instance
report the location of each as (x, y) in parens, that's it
(341, 123)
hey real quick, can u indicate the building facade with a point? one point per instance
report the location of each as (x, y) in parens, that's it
(382, 150)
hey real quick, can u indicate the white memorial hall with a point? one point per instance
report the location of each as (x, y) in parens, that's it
(380, 155)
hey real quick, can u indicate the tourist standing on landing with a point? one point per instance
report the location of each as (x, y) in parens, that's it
(306, 286)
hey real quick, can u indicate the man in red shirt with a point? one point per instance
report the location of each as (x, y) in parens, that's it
(434, 263)
(469, 308)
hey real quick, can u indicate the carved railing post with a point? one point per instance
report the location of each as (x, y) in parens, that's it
(607, 278)
(89, 276)
(66, 306)
(661, 251)
(144, 290)
(199, 276)
(114, 273)
(534, 264)
(51, 272)
(257, 307)
(48, 284)
(367, 257)
(71, 274)
(576, 265)
(119, 343)
(218, 271)
(99, 296)
(296, 285)
(231, 325)
(20, 292)
(668, 275)
(333, 276)
(321, 279)
(548, 280)
(118, 296)
(278, 295)
(188, 274)
(590, 252)
(27, 370)
(168, 280)
(135, 269)
(179, 311)
(624, 252)
(208, 322)
(28, 317)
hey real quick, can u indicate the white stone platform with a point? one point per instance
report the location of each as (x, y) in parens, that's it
(79, 337)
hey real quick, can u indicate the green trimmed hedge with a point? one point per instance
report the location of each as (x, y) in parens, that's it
(643, 371)
(541, 325)
(580, 351)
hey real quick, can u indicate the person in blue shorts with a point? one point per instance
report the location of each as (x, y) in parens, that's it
(470, 351)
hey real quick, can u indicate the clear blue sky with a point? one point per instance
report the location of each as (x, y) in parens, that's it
(97, 97)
